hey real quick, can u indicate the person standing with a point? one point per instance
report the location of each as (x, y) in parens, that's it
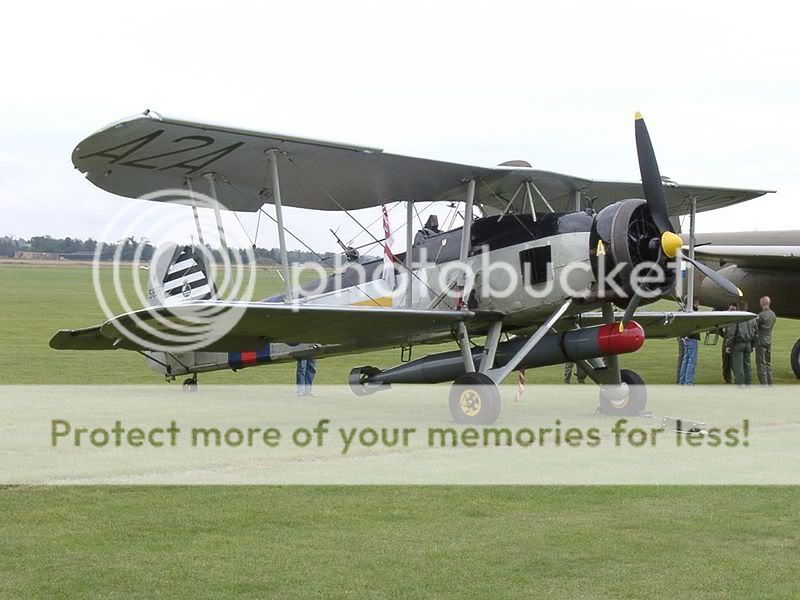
(739, 338)
(580, 374)
(687, 352)
(680, 361)
(689, 362)
(765, 322)
(726, 350)
(306, 369)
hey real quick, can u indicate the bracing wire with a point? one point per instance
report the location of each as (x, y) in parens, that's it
(301, 242)
(355, 220)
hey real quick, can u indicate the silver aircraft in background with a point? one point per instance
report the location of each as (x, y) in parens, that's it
(759, 263)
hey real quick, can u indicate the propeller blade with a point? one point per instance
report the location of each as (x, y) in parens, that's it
(651, 177)
(720, 280)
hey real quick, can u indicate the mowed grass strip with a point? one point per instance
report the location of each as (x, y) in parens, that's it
(386, 542)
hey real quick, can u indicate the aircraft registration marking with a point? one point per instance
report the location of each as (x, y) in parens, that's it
(122, 154)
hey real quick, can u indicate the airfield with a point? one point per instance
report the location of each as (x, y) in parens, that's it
(547, 541)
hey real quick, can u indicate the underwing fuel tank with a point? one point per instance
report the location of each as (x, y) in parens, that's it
(553, 349)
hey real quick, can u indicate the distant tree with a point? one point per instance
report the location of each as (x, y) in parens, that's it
(9, 246)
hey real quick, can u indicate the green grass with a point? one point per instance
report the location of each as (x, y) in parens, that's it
(370, 542)
(401, 542)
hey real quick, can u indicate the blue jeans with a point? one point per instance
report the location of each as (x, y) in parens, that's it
(306, 369)
(689, 361)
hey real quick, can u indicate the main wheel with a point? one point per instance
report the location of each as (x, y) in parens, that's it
(474, 399)
(190, 385)
(632, 403)
(795, 359)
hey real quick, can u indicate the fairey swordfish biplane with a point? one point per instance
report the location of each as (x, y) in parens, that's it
(539, 224)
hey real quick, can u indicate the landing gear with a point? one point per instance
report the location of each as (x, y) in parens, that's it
(474, 399)
(190, 385)
(795, 359)
(628, 399)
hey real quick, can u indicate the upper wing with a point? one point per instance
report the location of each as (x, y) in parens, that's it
(150, 153)
(558, 190)
(659, 325)
(259, 323)
(757, 257)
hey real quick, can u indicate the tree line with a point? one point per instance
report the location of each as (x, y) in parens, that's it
(78, 248)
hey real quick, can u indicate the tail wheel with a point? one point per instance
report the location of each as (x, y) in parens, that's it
(632, 403)
(796, 359)
(474, 399)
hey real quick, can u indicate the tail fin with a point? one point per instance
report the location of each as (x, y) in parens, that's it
(178, 275)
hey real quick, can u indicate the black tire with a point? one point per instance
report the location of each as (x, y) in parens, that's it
(357, 380)
(474, 400)
(632, 404)
(190, 385)
(795, 359)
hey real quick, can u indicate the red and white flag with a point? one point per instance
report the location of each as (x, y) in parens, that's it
(520, 385)
(388, 257)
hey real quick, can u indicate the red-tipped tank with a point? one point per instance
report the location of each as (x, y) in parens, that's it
(555, 348)
(614, 339)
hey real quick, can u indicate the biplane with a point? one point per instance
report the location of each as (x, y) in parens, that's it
(540, 224)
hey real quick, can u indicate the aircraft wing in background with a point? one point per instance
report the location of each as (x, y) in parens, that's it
(662, 325)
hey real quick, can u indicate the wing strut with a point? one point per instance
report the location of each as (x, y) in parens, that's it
(212, 188)
(409, 253)
(690, 267)
(466, 233)
(511, 202)
(276, 199)
(541, 195)
(194, 212)
(498, 375)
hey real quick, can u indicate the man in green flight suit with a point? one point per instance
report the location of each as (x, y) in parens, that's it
(739, 340)
(765, 323)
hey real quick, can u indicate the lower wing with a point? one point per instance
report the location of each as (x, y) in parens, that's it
(253, 324)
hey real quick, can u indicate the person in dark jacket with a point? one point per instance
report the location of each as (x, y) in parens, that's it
(726, 351)
(739, 338)
(763, 342)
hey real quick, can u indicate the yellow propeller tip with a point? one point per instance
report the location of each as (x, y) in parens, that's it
(638, 116)
(741, 295)
(621, 326)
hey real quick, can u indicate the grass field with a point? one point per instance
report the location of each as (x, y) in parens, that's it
(371, 541)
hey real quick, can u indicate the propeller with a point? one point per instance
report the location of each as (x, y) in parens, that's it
(656, 199)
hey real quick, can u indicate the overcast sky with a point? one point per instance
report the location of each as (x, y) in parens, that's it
(554, 83)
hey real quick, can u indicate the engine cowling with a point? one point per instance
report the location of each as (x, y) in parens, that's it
(621, 238)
